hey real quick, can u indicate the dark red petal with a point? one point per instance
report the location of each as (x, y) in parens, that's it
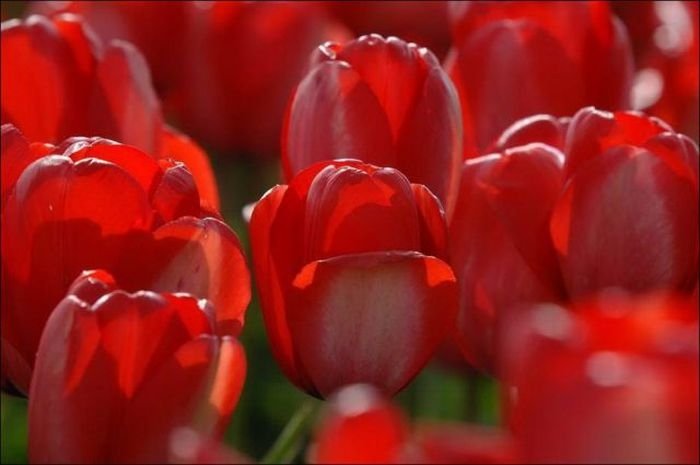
(330, 104)
(180, 147)
(269, 286)
(360, 426)
(203, 257)
(431, 217)
(535, 75)
(627, 219)
(429, 146)
(499, 242)
(343, 336)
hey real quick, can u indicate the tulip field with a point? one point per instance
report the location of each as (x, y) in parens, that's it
(349, 232)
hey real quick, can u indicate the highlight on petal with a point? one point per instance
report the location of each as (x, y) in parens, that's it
(344, 336)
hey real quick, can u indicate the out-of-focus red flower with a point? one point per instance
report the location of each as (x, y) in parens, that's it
(117, 372)
(241, 63)
(359, 425)
(188, 445)
(515, 59)
(349, 263)
(424, 23)
(93, 203)
(157, 29)
(613, 381)
(224, 70)
(382, 101)
(665, 37)
(59, 80)
(618, 208)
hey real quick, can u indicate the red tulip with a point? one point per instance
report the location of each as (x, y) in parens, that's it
(224, 69)
(349, 263)
(359, 425)
(241, 64)
(613, 381)
(424, 23)
(93, 203)
(117, 372)
(59, 81)
(501, 251)
(157, 29)
(516, 59)
(528, 228)
(380, 100)
(630, 182)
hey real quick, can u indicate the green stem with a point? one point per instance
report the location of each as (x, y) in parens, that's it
(289, 442)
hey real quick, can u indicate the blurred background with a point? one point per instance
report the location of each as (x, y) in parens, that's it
(233, 105)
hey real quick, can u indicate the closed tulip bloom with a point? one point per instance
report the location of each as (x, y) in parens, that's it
(515, 59)
(612, 380)
(93, 203)
(59, 81)
(383, 101)
(117, 372)
(616, 207)
(349, 261)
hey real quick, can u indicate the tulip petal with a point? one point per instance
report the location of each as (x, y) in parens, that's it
(54, 227)
(16, 156)
(498, 217)
(269, 286)
(334, 114)
(429, 146)
(627, 219)
(349, 316)
(125, 106)
(203, 257)
(433, 229)
(176, 195)
(349, 210)
(181, 148)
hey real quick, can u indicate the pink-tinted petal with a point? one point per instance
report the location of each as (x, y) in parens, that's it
(429, 146)
(499, 242)
(591, 132)
(334, 114)
(627, 219)
(349, 316)
(546, 129)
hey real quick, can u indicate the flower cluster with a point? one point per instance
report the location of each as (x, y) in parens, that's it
(505, 190)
